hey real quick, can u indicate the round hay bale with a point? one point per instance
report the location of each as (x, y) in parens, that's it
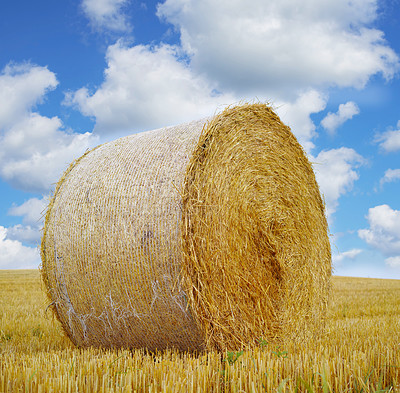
(210, 234)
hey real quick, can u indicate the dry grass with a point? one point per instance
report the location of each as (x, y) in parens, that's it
(360, 351)
(257, 257)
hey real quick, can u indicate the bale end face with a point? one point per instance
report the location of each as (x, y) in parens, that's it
(256, 249)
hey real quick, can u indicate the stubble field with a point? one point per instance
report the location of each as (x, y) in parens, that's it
(358, 352)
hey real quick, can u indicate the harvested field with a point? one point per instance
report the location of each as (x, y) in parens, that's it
(360, 351)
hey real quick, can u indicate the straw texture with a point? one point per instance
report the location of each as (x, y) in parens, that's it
(210, 234)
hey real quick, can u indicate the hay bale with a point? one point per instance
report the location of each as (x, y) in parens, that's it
(210, 234)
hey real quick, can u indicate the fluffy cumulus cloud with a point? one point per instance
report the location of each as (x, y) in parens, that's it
(393, 262)
(336, 173)
(147, 87)
(334, 120)
(350, 254)
(280, 45)
(21, 87)
(25, 234)
(13, 254)
(391, 175)
(229, 51)
(34, 149)
(106, 14)
(389, 141)
(297, 115)
(384, 232)
(32, 212)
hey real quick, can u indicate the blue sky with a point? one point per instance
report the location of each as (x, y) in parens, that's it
(74, 74)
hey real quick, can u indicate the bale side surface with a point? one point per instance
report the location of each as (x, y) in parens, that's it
(111, 253)
(257, 260)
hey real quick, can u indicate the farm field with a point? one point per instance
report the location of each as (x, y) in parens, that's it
(358, 352)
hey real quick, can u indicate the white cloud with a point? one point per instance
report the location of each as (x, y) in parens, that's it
(350, 254)
(391, 175)
(281, 46)
(15, 255)
(384, 230)
(21, 87)
(147, 87)
(107, 14)
(34, 149)
(32, 211)
(297, 115)
(334, 120)
(389, 140)
(229, 52)
(393, 262)
(26, 234)
(335, 173)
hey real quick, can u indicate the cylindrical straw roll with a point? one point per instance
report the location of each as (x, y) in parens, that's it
(210, 234)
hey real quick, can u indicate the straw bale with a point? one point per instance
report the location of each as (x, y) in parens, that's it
(210, 234)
